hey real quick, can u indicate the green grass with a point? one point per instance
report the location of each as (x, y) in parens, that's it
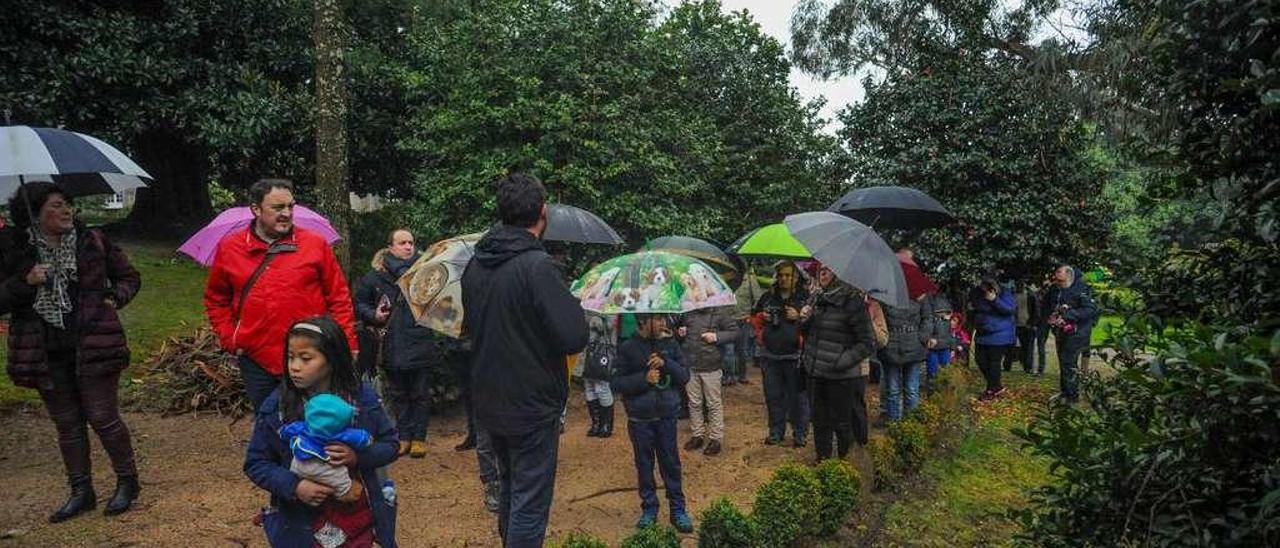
(974, 488)
(168, 305)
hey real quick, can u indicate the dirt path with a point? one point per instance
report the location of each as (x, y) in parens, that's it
(195, 495)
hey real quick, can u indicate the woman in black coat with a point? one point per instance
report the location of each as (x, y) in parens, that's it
(394, 342)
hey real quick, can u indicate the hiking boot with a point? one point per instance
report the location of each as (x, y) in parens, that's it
(404, 447)
(799, 441)
(682, 522)
(127, 489)
(82, 500)
(491, 492)
(999, 392)
(773, 440)
(646, 520)
(418, 449)
(606, 421)
(713, 448)
(694, 444)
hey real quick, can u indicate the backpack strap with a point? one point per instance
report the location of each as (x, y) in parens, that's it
(273, 250)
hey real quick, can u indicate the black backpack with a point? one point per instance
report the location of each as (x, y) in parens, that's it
(600, 355)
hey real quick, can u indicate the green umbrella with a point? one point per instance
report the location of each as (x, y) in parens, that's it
(773, 240)
(652, 282)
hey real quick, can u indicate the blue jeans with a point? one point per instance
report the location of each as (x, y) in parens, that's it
(936, 359)
(650, 441)
(258, 383)
(527, 469)
(746, 347)
(896, 379)
(598, 391)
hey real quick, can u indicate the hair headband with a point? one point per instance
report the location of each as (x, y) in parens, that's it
(308, 327)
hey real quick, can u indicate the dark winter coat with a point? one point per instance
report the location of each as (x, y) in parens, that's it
(522, 323)
(700, 356)
(103, 271)
(644, 401)
(909, 329)
(287, 522)
(995, 320)
(405, 345)
(1081, 308)
(781, 336)
(939, 327)
(838, 335)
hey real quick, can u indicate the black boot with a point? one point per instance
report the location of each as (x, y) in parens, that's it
(82, 500)
(593, 409)
(606, 421)
(127, 489)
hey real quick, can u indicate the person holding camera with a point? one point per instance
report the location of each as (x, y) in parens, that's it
(778, 311)
(404, 350)
(994, 309)
(1071, 315)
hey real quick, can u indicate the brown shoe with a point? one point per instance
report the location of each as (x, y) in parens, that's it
(694, 444)
(404, 448)
(418, 449)
(713, 448)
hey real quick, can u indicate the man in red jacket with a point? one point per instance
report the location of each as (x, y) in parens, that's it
(266, 277)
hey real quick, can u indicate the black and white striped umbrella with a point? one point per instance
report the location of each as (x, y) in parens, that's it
(81, 164)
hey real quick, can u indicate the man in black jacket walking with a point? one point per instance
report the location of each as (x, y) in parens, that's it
(522, 322)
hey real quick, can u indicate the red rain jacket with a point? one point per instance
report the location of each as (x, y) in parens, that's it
(295, 285)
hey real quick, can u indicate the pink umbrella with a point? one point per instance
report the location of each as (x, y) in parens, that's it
(204, 243)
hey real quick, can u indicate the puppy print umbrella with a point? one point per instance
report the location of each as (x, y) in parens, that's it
(651, 282)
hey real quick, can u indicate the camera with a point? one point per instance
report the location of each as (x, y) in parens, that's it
(1061, 324)
(775, 315)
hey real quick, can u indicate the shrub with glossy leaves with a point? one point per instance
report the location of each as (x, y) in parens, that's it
(723, 525)
(784, 508)
(840, 484)
(653, 536)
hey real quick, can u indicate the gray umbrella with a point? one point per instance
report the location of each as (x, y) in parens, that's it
(893, 207)
(854, 252)
(566, 223)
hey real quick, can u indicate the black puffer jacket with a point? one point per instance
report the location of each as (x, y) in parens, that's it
(909, 329)
(522, 323)
(781, 336)
(838, 334)
(645, 402)
(406, 345)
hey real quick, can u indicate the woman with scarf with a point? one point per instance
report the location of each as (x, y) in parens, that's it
(404, 350)
(62, 284)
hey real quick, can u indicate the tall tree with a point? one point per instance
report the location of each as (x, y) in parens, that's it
(332, 185)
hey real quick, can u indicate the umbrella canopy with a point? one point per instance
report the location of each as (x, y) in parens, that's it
(433, 284)
(854, 252)
(204, 244)
(693, 247)
(893, 207)
(651, 282)
(770, 241)
(81, 164)
(566, 223)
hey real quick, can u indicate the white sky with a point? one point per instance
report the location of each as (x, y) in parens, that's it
(774, 17)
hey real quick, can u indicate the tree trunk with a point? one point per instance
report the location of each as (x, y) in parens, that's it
(176, 203)
(332, 179)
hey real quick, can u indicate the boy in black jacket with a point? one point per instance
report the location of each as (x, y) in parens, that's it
(650, 374)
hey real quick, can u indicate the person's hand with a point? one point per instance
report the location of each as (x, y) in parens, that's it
(991, 295)
(381, 315)
(682, 331)
(792, 313)
(709, 338)
(341, 454)
(806, 311)
(653, 376)
(312, 493)
(656, 361)
(38, 274)
(110, 301)
(931, 343)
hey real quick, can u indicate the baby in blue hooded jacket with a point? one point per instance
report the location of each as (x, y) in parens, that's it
(326, 419)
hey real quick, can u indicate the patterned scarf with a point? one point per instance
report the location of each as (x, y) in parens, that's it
(53, 299)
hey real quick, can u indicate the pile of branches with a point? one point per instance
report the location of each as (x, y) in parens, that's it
(190, 374)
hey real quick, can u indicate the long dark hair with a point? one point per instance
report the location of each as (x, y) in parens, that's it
(332, 342)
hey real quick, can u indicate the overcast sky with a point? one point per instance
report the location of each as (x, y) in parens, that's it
(774, 17)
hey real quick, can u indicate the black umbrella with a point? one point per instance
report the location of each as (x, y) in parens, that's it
(693, 247)
(893, 207)
(566, 223)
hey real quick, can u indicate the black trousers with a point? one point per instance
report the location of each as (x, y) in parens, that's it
(1070, 355)
(989, 357)
(1027, 348)
(408, 393)
(834, 403)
